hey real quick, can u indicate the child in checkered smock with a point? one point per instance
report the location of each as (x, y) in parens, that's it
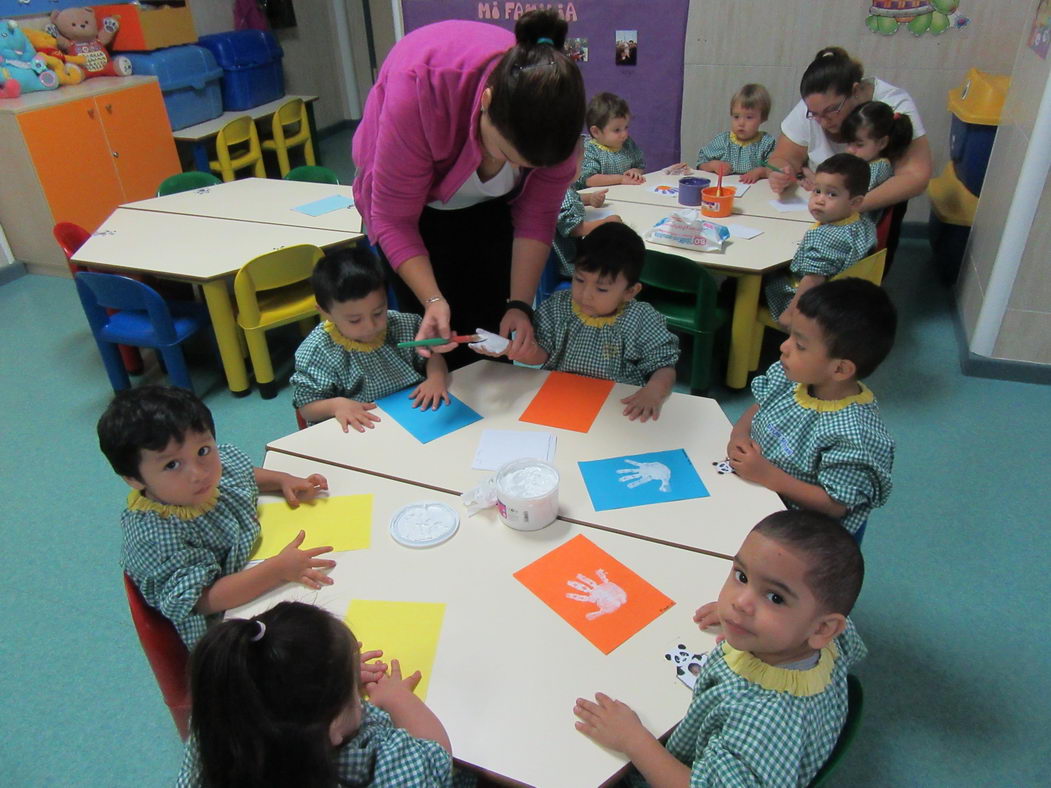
(839, 238)
(610, 155)
(352, 358)
(277, 700)
(190, 524)
(771, 699)
(815, 435)
(877, 134)
(574, 224)
(742, 150)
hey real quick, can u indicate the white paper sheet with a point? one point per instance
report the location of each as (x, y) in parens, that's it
(791, 203)
(740, 189)
(740, 231)
(598, 213)
(498, 447)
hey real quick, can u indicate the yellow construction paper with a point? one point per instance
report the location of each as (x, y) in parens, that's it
(342, 521)
(405, 631)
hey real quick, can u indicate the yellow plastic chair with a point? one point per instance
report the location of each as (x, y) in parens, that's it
(237, 147)
(273, 290)
(290, 129)
(868, 268)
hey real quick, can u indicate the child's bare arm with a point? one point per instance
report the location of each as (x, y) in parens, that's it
(645, 404)
(605, 180)
(750, 464)
(348, 412)
(716, 166)
(741, 433)
(394, 695)
(294, 488)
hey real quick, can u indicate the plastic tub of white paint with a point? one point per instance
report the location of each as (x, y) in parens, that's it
(527, 494)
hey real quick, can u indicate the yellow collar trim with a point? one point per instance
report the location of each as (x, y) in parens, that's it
(737, 140)
(606, 147)
(806, 400)
(596, 322)
(849, 220)
(801, 683)
(353, 344)
(140, 503)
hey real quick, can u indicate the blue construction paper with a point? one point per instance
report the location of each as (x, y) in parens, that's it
(608, 480)
(325, 205)
(426, 425)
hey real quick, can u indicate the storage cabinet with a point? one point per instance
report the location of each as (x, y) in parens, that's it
(76, 154)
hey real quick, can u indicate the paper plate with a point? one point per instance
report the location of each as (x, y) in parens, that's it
(424, 524)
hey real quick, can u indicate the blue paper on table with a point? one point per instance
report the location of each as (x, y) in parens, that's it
(640, 479)
(325, 205)
(426, 425)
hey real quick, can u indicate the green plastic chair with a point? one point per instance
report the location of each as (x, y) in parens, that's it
(855, 703)
(684, 292)
(185, 182)
(313, 173)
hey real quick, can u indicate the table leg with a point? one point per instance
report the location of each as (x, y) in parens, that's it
(313, 132)
(226, 331)
(746, 305)
(200, 156)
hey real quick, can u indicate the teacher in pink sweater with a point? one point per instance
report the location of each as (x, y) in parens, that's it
(466, 148)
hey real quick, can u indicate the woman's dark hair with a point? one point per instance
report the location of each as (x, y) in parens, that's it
(610, 249)
(879, 120)
(347, 275)
(832, 69)
(265, 692)
(148, 417)
(537, 92)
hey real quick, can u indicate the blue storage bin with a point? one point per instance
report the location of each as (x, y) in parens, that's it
(189, 79)
(969, 147)
(251, 63)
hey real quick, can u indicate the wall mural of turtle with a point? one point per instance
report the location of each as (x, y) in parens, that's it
(919, 16)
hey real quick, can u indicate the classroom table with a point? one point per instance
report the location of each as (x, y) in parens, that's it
(199, 135)
(508, 669)
(201, 250)
(716, 524)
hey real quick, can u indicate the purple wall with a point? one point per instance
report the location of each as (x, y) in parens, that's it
(652, 87)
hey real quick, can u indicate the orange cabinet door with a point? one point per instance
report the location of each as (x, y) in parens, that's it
(73, 161)
(140, 138)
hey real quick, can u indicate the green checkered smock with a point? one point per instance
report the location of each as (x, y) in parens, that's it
(173, 553)
(753, 724)
(330, 365)
(741, 157)
(627, 347)
(880, 170)
(841, 445)
(827, 250)
(379, 755)
(570, 216)
(600, 160)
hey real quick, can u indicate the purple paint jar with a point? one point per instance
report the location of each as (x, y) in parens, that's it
(690, 189)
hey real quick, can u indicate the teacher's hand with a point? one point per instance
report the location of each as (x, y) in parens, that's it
(524, 343)
(780, 181)
(435, 324)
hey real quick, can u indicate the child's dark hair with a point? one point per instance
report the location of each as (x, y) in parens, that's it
(857, 319)
(347, 274)
(610, 249)
(265, 692)
(837, 569)
(537, 91)
(147, 418)
(855, 172)
(832, 69)
(753, 96)
(604, 107)
(879, 120)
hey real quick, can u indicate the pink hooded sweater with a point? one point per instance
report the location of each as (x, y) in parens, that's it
(418, 140)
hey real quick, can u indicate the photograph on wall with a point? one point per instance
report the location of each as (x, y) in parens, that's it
(627, 47)
(1040, 34)
(577, 49)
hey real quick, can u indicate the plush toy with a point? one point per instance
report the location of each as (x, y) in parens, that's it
(21, 69)
(67, 69)
(77, 32)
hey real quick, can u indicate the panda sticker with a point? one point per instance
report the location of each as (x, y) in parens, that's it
(687, 664)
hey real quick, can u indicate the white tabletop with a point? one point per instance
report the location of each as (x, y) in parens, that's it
(508, 669)
(500, 393)
(190, 247)
(210, 128)
(265, 200)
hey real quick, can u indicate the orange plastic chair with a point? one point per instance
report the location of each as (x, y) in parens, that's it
(290, 129)
(167, 655)
(237, 148)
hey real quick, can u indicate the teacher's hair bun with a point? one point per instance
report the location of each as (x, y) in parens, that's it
(541, 26)
(834, 52)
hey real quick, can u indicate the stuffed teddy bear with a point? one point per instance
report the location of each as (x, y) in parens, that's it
(77, 32)
(67, 69)
(21, 69)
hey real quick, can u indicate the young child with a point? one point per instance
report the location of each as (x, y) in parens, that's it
(877, 134)
(771, 700)
(743, 149)
(573, 225)
(598, 329)
(277, 700)
(840, 237)
(815, 435)
(190, 523)
(352, 358)
(610, 155)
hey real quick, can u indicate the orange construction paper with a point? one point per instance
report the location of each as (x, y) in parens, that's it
(568, 401)
(621, 603)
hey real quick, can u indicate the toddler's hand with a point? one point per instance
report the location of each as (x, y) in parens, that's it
(594, 199)
(351, 413)
(301, 566)
(296, 489)
(706, 616)
(609, 722)
(753, 175)
(371, 671)
(431, 393)
(644, 404)
(634, 175)
(387, 689)
(718, 167)
(750, 464)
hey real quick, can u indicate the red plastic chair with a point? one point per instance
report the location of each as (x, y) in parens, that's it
(300, 421)
(167, 655)
(888, 230)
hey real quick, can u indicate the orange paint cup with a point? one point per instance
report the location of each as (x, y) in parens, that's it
(716, 201)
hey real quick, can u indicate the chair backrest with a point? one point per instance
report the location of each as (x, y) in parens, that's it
(855, 704)
(99, 292)
(166, 653)
(239, 131)
(892, 215)
(185, 182)
(70, 237)
(313, 173)
(676, 274)
(868, 268)
(290, 121)
(279, 268)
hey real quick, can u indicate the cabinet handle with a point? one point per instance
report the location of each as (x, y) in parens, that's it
(116, 155)
(91, 114)
(109, 108)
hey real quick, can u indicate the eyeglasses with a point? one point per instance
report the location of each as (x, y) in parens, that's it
(827, 112)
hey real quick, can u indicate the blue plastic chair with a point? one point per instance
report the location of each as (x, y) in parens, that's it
(551, 279)
(140, 318)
